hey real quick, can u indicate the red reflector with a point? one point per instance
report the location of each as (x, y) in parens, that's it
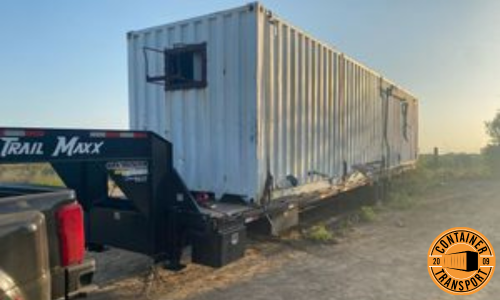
(112, 134)
(71, 234)
(140, 135)
(34, 133)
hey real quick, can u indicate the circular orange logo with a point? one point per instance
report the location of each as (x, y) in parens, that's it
(461, 261)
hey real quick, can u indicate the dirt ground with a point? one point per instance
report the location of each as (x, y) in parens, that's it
(385, 259)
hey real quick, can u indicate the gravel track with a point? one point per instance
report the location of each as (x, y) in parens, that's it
(382, 260)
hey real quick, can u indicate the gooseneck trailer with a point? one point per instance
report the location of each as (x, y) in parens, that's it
(254, 119)
(132, 196)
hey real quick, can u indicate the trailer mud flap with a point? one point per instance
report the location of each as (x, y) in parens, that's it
(276, 223)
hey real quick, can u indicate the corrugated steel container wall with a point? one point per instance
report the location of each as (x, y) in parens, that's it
(278, 102)
(318, 108)
(212, 129)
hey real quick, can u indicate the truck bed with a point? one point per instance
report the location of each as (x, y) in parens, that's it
(30, 252)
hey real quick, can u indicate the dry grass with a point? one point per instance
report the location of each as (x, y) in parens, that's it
(195, 279)
(40, 174)
(432, 173)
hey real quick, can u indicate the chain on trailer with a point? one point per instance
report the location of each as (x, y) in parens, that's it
(153, 213)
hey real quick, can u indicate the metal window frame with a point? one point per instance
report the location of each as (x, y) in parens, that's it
(194, 48)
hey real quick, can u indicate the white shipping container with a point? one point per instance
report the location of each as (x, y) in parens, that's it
(260, 105)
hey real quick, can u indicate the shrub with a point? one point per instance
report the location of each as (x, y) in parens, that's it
(491, 155)
(320, 233)
(368, 214)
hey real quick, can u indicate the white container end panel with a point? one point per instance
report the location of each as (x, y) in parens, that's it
(213, 129)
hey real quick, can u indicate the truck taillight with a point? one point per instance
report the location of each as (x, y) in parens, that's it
(71, 234)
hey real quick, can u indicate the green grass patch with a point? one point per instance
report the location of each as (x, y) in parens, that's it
(432, 172)
(320, 233)
(401, 200)
(367, 214)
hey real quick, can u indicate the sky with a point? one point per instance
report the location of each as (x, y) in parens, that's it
(63, 63)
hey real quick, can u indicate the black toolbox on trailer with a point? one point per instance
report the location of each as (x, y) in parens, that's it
(219, 246)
